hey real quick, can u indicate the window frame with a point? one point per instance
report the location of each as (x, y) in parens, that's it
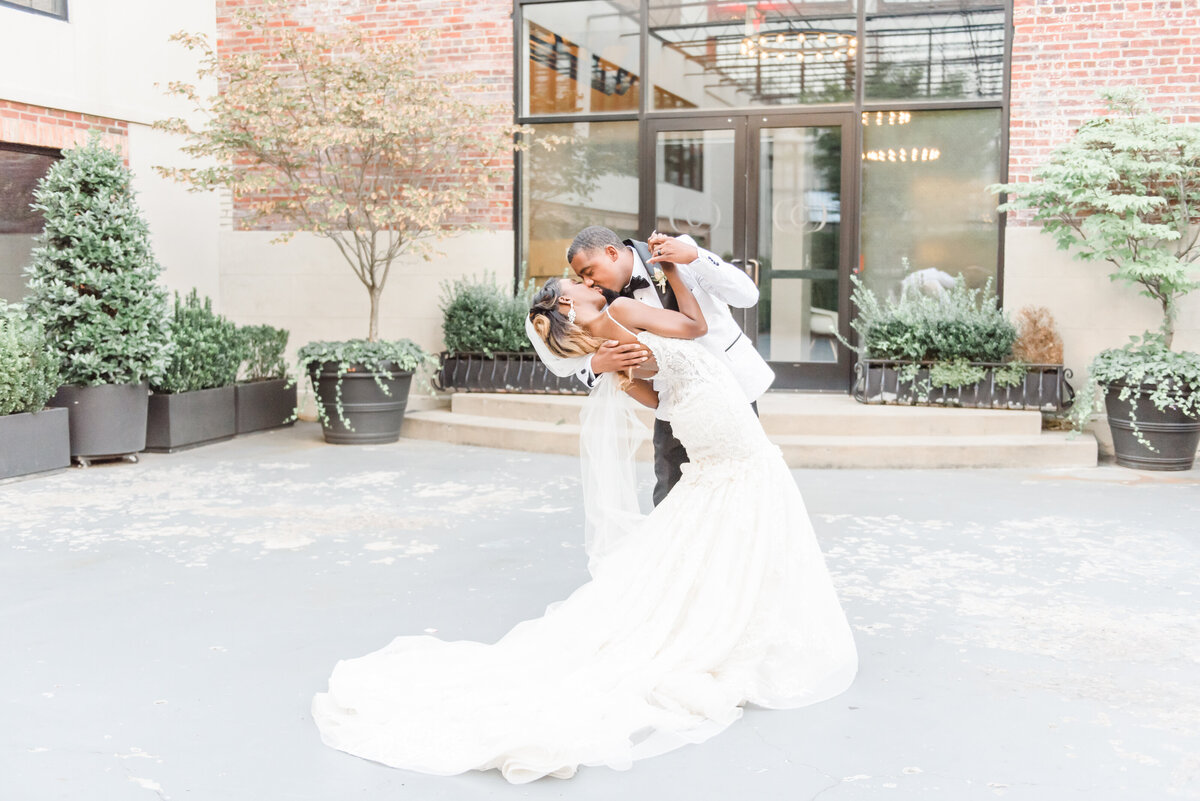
(65, 16)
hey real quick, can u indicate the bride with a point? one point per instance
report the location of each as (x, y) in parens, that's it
(718, 598)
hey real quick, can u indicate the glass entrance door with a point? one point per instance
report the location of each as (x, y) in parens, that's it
(768, 193)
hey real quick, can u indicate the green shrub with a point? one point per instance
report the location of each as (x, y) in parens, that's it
(961, 324)
(263, 346)
(93, 278)
(479, 315)
(207, 348)
(29, 374)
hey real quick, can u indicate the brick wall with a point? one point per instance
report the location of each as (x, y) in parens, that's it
(1065, 51)
(474, 35)
(23, 124)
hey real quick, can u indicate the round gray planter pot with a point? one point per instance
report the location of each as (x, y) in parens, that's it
(107, 421)
(374, 416)
(1174, 435)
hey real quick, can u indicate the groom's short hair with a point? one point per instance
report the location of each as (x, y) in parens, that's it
(593, 237)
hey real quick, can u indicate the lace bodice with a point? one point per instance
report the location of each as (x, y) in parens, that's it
(709, 413)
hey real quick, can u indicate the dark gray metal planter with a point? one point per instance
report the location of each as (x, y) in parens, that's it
(33, 443)
(187, 419)
(264, 404)
(374, 416)
(502, 372)
(107, 421)
(1045, 387)
(1174, 435)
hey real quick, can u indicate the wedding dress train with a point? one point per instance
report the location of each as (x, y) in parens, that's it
(720, 598)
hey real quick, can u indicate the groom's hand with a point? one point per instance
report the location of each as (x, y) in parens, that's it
(614, 356)
(665, 248)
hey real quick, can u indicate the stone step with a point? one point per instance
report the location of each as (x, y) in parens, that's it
(1045, 449)
(785, 414)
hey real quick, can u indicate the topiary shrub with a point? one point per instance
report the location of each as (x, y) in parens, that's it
(93, 278)
(29, 374)
(208, 350)
(481, 316)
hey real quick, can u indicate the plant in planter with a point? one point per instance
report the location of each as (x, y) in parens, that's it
(353, 139)
(265, 395)
(193, 403)
(1125, 192)
(32, 438)
(954, 348)
(483, 326)
(93, 286)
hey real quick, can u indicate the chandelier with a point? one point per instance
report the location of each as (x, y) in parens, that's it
(802, 46)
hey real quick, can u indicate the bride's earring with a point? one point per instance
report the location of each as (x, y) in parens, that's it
(571, 312)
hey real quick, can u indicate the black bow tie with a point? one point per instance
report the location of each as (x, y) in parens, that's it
(635, 283)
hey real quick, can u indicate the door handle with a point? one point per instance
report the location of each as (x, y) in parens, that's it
(754, 265)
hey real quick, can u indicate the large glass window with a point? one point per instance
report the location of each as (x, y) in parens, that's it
(51, 8)
(581, 57)
(20, 169)
(766, 53)
(930, 49)
(589, 178)
(926, 213)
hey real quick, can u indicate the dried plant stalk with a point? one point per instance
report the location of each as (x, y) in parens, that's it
(1038, 341)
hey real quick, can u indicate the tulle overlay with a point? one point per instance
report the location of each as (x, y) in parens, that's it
(719, 598)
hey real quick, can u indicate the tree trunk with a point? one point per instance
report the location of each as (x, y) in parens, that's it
(373, 334)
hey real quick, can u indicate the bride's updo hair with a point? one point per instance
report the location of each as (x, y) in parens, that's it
(564, 338)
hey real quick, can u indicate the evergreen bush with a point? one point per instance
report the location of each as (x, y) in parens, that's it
(481, 316)
(93, 278)
(263, 356)
(29, 374)
(207, 352)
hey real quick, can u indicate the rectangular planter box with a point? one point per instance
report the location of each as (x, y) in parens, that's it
(502, 372)
(264, 404)
(32, 443)
(1044, 387)
(187, 419)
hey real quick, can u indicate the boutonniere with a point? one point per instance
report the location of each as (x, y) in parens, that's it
(660, 278)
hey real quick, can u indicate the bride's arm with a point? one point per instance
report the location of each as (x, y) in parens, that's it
(687, 323)
(642, 391)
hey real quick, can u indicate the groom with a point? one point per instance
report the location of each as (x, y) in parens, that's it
(626, 268)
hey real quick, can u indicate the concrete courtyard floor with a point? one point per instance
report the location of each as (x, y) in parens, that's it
(1023, 634)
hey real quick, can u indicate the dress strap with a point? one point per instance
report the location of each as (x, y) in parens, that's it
(618, 322)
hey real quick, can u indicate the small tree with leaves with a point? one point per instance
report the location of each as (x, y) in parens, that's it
(344, 136)
(93, 281)
(1126, 191)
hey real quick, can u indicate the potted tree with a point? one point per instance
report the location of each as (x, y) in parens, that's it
(265, 396)
(193, 403)
(32, 438)
(93, 285)
(1125, 192)
(483, 326)
(350, 138)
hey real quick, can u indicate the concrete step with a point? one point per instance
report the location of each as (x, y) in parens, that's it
(785, 414)
(1045, 449)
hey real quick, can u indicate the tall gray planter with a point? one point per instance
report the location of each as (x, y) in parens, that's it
(187, 419)
(33, 443)
(107, 421)
(1174, 435)
(375, 416)
(264, 404)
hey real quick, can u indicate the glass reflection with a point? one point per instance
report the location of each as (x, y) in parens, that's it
(727, 55)
(581, 57)
(926, 213)
(695, 187)
(591, 179)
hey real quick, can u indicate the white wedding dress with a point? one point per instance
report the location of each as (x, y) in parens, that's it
(719, 598)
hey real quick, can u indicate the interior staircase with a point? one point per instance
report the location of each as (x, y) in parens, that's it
(813, 431)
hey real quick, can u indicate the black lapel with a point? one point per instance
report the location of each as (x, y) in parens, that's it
(665, 296)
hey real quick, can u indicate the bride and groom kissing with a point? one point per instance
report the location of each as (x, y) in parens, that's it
(717, 599)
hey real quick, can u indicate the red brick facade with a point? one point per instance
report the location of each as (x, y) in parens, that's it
(23, 124)
(1066, 51)
(474, 35)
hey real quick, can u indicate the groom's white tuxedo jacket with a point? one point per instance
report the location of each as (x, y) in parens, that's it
(717, 285)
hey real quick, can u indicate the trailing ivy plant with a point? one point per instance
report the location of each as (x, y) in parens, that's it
(264, 348)
(1125, 191)
(208, 348)
(29, 373)
(93, 277)
(955, 373)
(479, 315)
(385, 359)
